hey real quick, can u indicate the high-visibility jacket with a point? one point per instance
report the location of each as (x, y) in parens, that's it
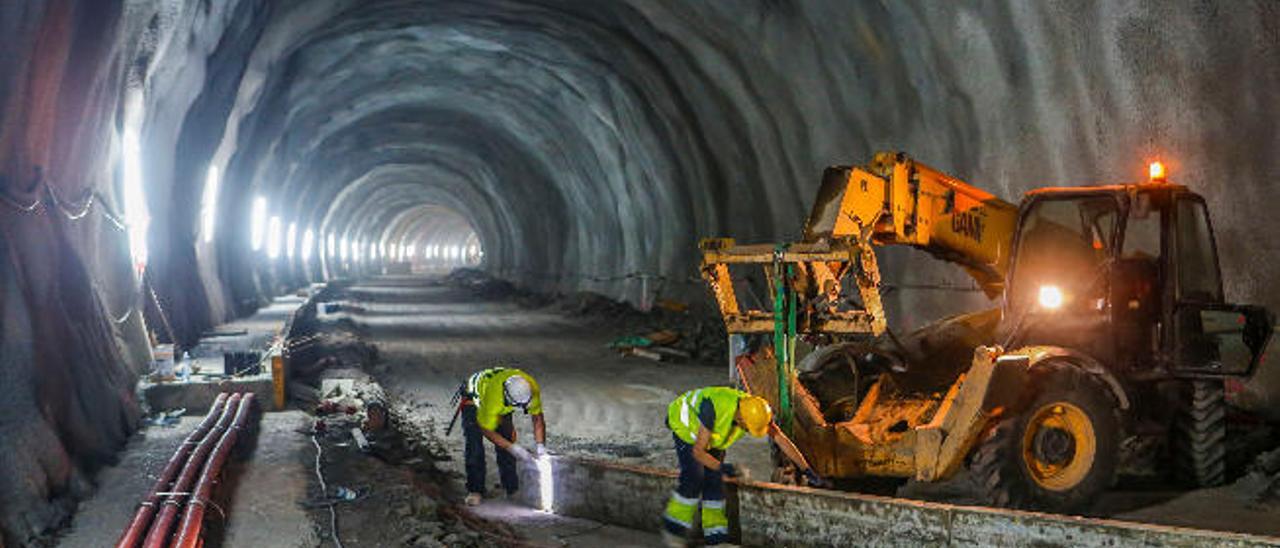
(484, 388)
(682, 415)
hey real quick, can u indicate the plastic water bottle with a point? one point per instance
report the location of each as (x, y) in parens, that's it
(184, 369)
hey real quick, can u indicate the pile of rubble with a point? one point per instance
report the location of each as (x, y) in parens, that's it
(669, 331)
(375, 473)
(1261, 482)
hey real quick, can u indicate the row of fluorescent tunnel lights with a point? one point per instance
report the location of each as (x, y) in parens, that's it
(268, 233)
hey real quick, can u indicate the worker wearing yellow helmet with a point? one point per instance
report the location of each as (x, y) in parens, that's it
(704, 423)
(488, 399)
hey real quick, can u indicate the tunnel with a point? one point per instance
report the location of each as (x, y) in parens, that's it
(170, 166)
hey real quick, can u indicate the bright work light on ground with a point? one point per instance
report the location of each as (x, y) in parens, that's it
(546, 484)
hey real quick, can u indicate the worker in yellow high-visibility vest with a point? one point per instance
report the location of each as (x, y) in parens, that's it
(489, 398)
(704, 423)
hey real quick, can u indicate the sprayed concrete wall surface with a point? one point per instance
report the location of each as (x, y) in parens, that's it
(578, 142)
(765, 514)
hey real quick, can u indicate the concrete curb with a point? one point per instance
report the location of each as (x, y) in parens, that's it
(634, 496)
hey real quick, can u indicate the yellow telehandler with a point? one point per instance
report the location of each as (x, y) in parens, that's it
(1112, 336)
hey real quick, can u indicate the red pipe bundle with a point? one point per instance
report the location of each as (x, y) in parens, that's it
(142, 519)
(193, 520)
(200, 459)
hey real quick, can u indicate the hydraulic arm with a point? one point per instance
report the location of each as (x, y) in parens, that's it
(894, 200)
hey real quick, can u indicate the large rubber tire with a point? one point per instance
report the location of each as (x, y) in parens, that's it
(1006, 469)
(1200, 435)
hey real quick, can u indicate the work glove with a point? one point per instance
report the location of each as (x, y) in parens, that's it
(541, 450)
(730, 471)
(519, 452)
(814, 479)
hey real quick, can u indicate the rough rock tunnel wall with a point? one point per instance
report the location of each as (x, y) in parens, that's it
(581, 141)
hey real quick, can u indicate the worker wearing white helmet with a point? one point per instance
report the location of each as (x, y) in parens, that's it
(489, 398)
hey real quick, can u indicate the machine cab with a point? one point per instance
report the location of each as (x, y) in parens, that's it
(1129, 274)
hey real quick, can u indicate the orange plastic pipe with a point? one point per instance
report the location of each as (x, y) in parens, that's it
(158, 537)
(193, 520)
(147, 510)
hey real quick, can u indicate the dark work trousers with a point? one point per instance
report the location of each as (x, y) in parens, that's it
(697, 485)
(473, 455)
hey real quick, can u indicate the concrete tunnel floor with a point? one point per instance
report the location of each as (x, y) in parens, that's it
(268, 490)
(602, 405)
(598, 404)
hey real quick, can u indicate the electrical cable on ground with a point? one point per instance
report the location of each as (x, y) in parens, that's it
(333, 514)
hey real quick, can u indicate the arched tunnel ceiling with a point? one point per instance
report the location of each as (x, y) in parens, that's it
(577, 140)
(597, 139)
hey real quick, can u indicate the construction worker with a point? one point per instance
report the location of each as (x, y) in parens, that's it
(704, 423)
(489, 398)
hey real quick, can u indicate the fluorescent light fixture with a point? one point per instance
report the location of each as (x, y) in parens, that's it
(332, 245)
(274, 229)
(209, 204)
(308, 242)
(291, 239)
(136, 216)
(258, 220)
(343, 249)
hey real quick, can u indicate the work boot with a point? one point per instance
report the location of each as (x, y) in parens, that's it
(473, 499)
(671, 540)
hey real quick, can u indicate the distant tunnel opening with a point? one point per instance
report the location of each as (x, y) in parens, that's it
(434, 238)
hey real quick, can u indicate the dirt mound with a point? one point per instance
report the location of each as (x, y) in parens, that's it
(1261, 482)
(381, 479)
(702, 336)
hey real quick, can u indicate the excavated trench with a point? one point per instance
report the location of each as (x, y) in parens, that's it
(168, 165)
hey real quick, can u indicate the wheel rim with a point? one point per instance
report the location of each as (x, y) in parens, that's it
(1058, 446)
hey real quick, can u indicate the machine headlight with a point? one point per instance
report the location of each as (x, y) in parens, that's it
(1050, 297)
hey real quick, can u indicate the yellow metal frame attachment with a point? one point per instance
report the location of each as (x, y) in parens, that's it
(816, 263)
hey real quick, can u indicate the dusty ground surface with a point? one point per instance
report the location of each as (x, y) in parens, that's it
(599, 404)
(429, 336)
(263, 489)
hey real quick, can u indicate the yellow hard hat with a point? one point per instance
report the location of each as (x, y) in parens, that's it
(755, 414)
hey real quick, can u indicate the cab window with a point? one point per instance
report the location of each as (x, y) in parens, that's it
(1197, 260)
(1063, 242)
(1142, 233)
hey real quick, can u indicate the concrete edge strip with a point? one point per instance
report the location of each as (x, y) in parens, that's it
(768, 514)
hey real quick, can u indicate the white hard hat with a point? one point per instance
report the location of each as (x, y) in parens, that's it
(517, 391)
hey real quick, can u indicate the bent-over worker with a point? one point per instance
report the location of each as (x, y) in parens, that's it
(489, 398)
(704, 423)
